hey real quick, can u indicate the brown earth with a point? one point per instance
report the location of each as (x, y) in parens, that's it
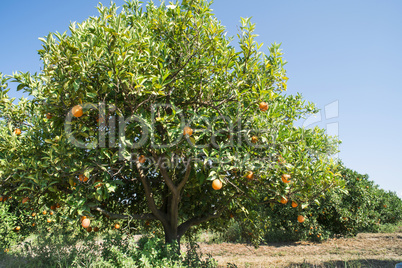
(364, 250)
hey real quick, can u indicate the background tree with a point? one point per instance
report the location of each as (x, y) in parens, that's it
(168, 106)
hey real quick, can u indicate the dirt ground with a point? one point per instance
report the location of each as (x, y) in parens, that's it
(364, 250)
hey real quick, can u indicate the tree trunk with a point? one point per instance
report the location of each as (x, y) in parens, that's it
(172, 237)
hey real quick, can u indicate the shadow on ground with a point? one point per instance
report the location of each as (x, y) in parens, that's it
(363, 263)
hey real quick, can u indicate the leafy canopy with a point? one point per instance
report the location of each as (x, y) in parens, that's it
(142, 76)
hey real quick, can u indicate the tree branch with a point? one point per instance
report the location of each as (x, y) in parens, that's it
(149, 195)
(145, 216)
(186, 176)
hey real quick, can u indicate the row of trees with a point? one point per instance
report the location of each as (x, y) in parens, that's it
(361, 206)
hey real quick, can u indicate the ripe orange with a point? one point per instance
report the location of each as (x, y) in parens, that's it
(117, 226)
(216, 184)
(284, 200)
(187, 131)
(44, 212)
(254, 139)
(85, 223)
(250, 175)
(300, 219)
(344, 218)
(33, 224)
(147, 223)
(77, 111)
(49, 220)
(89, 229)
(97, 183)
(263, 106)
(33, 214)
(49, 116)
(53, 207)
(142, 159)
(96, 229)
(17, 228)
(58, 205)
(286, 178)
(83, 178)
(83, 218)
(25, 200)
(51, 212)
(294, 204)
(6, 250)
(385, 206)
(17, 131)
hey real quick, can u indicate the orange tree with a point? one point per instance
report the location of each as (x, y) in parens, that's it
(136, 113)
(360, 206)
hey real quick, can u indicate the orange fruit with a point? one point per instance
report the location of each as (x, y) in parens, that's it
(6, 250)
(44, 212)
(117, 226)
(58, 205)
(187, 131)
(51, 212)
(49, 116)
(147, 223)
(17, 228)
(33, 214)
(97, 183)
(83, 218)
(33, 224)
(77, 111)
(263, 106)
(216, 184)
(250, 175)
(83, 178)
(96, 229)
(53, 207)
(231, 215)
(300, 218)
(142, 159)
(385, 206)
(17, 131)
(89, 229)
(294, 204)
(49, 220)
(286, 178)
(284, 200)
(85, 223)
(254, 139)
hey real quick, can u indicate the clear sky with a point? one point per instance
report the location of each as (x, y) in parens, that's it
(343, 55)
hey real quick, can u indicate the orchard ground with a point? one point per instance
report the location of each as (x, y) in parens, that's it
(364, 250)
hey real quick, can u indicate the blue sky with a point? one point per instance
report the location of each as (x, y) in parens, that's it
(344, 53)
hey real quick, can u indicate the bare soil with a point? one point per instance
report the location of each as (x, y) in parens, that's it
(364, 250)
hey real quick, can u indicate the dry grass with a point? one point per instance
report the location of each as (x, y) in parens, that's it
(364, 250)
